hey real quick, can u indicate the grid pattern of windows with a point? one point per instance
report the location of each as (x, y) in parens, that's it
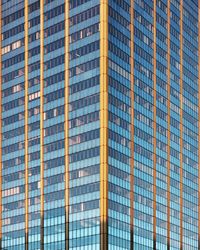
(149, 113)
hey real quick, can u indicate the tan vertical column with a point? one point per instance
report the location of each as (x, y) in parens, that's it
(154, 124)
(168, 125)
(26, 119)
(0, 133)
(104, 124)
(181, 124)
(199, 124)
(67, 124)
(132, 126)
(41, 122)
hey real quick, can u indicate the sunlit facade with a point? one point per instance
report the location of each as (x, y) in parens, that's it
(99, 125)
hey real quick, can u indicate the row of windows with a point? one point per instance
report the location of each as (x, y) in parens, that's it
(161, 145)
(161, 52)
(54, 112)
(118, 138)
(115, 206)
(13, 104)
(33, 52)
(13, 118)
(85, 84)
(143, 86)
(88, 136)
(34, 156)
(12, 17)
(13, 60)
(54, 12)
(13, 220)
(13, 46)
(94, 11)
(160, 129)
(161, 21)
(80, 207)
(14, 176)
(33, 141)
(75, 3)
(33, 22)
(84, 223)
(190, 60)
(119, 35)
(34, 36)
(118, 121)
(190, 133)
(190, 75)
(54, 95)
(161, 67)
(143, 152)
(57, 145)
(84, 189)
(78, 173)
(83, 155)
(142, 118)
(189, 89)
(143, 21)
(13, 75)
(190, 118)
(58, 44)
(174, 32)
(34, 111)
(34, 6)
(81, 51)
(84, 33)
(162, 6)
(117, 17)
(79, 69)
(118, 103)
(54, 29)
(140, 35)
(53, 179)
(33, 126)
(146, 104)
(59, 195)
(13, 162)
(119, 69)
(118, 52)
(59, 77)
(143, 135)
(161, 83)
(86, 101)
(54, 129)
(13, 31)
(118, 190)
(145, 7)
(85, 119)
(118, 155)
(53, 163)
(118, 173)
(12, 148)
(143, 184)
(123, 4)
(34, 66)
(143, 70)
(54, 62)
(118, 86)
(161, 114)
(13, 133)
(143, 168)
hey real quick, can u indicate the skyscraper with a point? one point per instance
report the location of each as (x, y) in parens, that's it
(99, 124)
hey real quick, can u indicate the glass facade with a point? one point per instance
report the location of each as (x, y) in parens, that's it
(99, 124)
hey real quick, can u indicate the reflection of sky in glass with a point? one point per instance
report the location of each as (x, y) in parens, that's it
(152, 93)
